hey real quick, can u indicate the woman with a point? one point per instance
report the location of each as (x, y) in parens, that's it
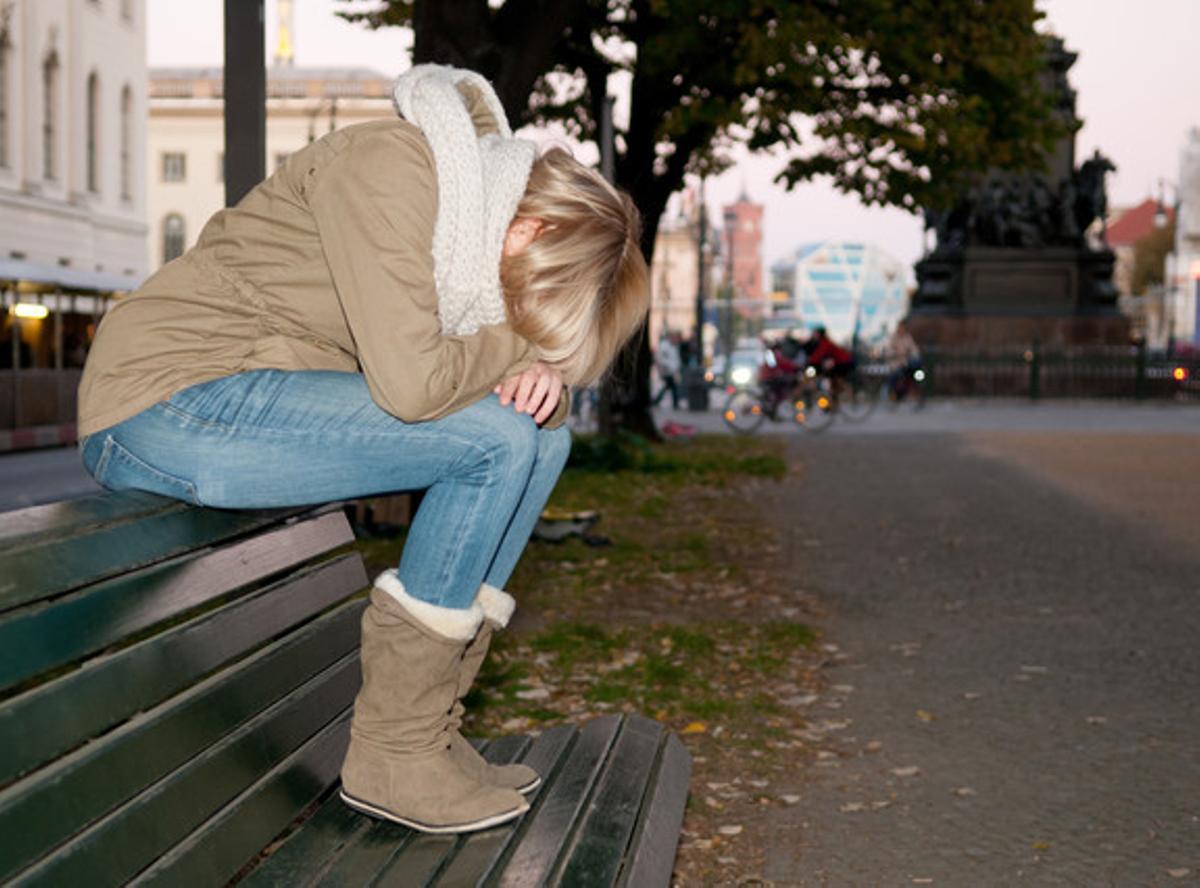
(398, 307)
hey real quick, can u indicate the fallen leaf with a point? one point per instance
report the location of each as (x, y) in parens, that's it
(852, 807)
(1179, 872)
(972, 695)
(533, 694)
(789, 799)
(924, 716)
(909, 771)
(964, 792)
(873, 746)
(1041, 846)
(1097, 720)
(695, 728)
(730, 830)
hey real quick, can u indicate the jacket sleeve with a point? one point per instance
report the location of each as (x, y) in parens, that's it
(375, 204)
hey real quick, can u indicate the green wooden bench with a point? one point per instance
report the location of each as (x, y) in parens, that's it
(175, 693)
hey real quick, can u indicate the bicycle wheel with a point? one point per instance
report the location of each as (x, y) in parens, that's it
(855, 402)
(744, 411)
(815, 408)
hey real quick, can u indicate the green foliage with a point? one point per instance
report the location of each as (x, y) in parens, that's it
(1150, 258)
(895, 100)
(706, 460)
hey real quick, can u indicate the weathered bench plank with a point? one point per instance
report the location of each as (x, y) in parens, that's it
(69, 545)
(79, 789)
(171, 811)
(34, 640)
(232, 838)
(105, 691)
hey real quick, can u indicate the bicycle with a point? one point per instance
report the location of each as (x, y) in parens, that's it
(809, 397)
(907, 385)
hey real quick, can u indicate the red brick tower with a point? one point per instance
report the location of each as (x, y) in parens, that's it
(743, 249)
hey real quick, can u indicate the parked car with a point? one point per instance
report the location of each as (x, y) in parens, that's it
(738, 369)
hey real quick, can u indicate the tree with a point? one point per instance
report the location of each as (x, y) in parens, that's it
(898, 101)
(1150, 258)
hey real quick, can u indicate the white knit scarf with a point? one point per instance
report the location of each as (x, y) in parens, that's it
(480, 179)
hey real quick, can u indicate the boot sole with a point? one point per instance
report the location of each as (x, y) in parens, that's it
(530, 786)
(384, 814)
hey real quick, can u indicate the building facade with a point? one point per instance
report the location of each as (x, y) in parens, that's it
(72, 193)
(1183, 265)
(185, 175)
(855, 291)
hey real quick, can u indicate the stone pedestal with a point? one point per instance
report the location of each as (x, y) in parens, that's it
(1001, 297)
(996, 333)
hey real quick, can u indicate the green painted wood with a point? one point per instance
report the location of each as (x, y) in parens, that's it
(64, 713)
(423, 858)
(224, 844)
(173, 810)
(596, 855)
(45, 637)
(53, 804)
(309, 847)
(560, 805)
(651, 858)
(362, 860)
(52, 565)
(72, 517)
(479, 854)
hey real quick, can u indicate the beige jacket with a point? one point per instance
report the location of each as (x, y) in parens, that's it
(327, 265)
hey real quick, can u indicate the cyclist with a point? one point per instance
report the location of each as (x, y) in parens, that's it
(827, 356)
(904, 360)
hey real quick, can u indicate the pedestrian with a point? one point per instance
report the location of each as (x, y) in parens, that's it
(398, 307)
(667, 360)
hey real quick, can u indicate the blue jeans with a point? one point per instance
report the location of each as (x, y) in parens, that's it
(270, 438)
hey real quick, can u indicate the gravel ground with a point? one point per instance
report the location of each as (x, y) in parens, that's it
(1017, 695)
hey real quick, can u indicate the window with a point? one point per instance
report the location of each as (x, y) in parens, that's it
(49, 117)
(173, 237)
(126, 143)
(92, 124)
(174, 166)
(4, 55)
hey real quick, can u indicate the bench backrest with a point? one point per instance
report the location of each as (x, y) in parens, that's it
(175, 685)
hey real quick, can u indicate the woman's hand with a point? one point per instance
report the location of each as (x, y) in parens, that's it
(536, 391)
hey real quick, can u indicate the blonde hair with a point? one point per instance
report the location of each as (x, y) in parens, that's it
(580, 289)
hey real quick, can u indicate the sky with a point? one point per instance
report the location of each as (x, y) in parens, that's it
(1137, 82)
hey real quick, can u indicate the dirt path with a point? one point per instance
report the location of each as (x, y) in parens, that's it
(1019, 695)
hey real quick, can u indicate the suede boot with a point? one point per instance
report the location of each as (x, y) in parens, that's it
(497, 607)
(399, 766)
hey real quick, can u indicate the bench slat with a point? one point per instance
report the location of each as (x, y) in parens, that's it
(54, 804)
(173, 810)
(42, 638)
(599, 848)
(40, 524)
(309, 848)
(223, 845)
(423, 856)
(107, 690)
(560, 804)
(652, 857)
(46, 567)
(480, 853)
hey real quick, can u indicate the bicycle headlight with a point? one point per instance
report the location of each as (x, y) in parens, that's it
(741, 375)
